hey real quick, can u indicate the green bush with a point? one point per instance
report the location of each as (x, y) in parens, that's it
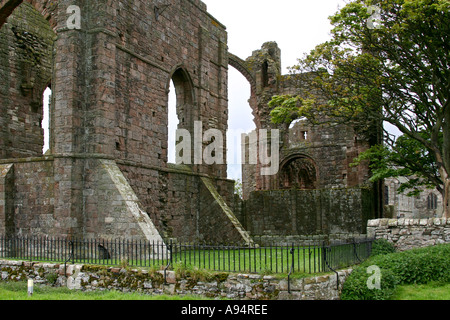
(382, 246)
(417, 266)
(356, 288)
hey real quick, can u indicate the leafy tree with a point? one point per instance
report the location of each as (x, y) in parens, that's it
(387, 61)
(405, 158)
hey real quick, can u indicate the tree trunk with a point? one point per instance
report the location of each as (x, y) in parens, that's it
(445, 193)
(446, 202)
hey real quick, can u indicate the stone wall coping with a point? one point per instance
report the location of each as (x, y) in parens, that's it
(97, 156)
(235, 285)
(407, 222)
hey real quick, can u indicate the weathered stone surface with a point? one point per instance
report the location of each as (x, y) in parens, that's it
(106, 173)
(239, 287)
(410, 233)
(296, 212)
(109, 103)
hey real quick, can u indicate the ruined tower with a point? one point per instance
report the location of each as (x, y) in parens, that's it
(316, 190)
(109, 65)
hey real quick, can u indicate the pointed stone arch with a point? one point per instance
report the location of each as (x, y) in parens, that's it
(298, 171)
(242, 67)
(46, 7)
(186, 101)
(186, 98)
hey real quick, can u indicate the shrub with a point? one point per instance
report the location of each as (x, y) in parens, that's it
(356, 288)
(382, 246)
(419, 266)
(51, 277)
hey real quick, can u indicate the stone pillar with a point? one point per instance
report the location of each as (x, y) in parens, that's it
(6, 199)
(70, 87)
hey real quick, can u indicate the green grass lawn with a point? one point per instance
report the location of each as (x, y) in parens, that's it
(18, 291)
(430, 291)
(264, 260)
(268, 260)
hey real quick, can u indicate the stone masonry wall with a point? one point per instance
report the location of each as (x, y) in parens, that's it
(307, 212)
(26, 50)
(110, 80)
(221, 285)
(411, 233)
(330, 148)
(178, 204)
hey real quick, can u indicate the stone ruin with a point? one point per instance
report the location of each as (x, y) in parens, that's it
(109, 64)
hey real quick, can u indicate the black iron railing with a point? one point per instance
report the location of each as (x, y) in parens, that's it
(253, 258)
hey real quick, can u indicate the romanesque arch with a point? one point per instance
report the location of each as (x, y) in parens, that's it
(26, 71)
(298, 172)
(186, 102)
(46, 7)
(241, 66)
(184, 89)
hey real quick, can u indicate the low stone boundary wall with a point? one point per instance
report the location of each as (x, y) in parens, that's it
(220, 285)
(406, 234)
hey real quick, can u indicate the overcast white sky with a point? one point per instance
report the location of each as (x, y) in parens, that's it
(296, 25)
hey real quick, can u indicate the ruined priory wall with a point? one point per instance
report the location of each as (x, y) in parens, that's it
(139, 49)
(406, 234)
(333, 149)
(142, 47)
(308, 212)
(26, 44)
(181, 205)
(28, 195)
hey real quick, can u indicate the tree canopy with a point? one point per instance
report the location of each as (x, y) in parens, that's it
(387, 62)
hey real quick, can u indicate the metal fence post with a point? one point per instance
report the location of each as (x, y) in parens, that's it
(292, 268)
(169, 259)
(326, 257)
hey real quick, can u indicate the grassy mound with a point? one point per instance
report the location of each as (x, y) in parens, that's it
(378, 277)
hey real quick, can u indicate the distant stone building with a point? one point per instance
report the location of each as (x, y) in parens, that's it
(315, 191)
(428, 204)
(311, 157)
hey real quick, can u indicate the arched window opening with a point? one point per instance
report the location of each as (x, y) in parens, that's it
(173, 123)
(265, 74)
(240, 120)
(181, 115)
(46, 118)
(298, 173)
(432, 201)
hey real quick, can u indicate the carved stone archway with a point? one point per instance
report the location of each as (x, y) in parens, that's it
(46, 7)
(298, 172)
